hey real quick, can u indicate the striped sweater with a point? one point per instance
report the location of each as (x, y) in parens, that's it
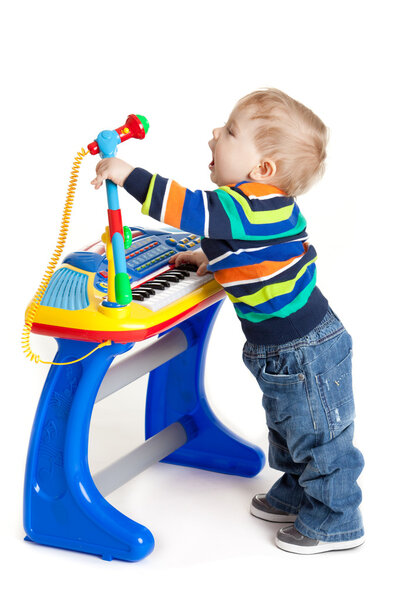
(255, 239)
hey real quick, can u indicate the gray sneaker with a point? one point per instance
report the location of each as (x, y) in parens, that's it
(263, 510)
(291, 540)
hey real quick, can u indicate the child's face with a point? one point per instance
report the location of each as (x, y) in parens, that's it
(234, 153)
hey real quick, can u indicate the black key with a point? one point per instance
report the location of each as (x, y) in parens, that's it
(158, 280)
(147, 289)
(137, 296)
(168, 277)
(179, 274)
(142, 293)
(157, 285)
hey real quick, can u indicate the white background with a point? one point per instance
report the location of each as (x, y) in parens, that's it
(72, 69)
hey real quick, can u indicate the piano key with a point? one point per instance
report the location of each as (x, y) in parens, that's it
(147, 289)
(163, 282)
(137, 297)
(179, 274)
(156, 285)
(181, 271)
(169, 277)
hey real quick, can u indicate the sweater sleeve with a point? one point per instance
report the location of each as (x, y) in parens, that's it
(200, 212)
(225, 213)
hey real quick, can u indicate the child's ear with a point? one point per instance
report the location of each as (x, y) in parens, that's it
(264, 171)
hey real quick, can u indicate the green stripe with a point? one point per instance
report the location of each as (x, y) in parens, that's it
(232, 214)
(295, 305)
(261, 217)
(147, 202)
(271, 291)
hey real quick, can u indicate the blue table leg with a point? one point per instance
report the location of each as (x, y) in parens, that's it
(62, 506)
(176, 393)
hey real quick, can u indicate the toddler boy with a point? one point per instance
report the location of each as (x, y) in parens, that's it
(254, 241)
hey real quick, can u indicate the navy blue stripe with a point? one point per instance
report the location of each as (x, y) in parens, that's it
(219, 223)
(160, 185)
(137, 183)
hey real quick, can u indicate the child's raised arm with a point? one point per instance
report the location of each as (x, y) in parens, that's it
(227, 213)
(200, 212)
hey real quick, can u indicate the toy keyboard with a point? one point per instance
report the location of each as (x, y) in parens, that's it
(75, 303)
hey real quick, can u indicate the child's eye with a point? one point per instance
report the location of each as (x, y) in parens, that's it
(229, 130)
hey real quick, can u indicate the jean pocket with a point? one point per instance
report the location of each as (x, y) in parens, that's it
(284, 397)
(336, 393)
(282, 379)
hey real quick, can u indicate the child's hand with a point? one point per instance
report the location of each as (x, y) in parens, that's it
(193, 258)
(111, 168)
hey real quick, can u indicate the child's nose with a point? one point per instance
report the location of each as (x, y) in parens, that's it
(216, 132)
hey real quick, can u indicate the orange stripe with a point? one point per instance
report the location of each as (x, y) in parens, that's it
(268, 267)
(259, 189)
(175, 201)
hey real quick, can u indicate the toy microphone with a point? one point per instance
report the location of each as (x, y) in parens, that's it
(136, 126)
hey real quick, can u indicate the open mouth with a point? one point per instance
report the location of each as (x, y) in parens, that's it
(211, 165)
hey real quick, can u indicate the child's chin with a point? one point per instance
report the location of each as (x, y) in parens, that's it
(214, 178)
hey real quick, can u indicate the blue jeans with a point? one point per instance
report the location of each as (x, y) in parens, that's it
(308, 399)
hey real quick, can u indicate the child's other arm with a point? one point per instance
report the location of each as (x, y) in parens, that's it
(204, 213)
(197, 258)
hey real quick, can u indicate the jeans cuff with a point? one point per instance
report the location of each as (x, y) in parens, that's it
(340, 536)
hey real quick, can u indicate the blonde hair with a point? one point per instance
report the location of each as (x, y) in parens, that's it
(292, 135)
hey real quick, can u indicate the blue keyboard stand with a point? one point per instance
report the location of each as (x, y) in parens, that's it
(62, 506)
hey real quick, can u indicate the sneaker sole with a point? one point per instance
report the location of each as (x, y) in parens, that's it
(321, 547)
(261, 514)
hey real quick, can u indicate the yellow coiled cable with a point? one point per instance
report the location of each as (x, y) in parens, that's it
(62, 237)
